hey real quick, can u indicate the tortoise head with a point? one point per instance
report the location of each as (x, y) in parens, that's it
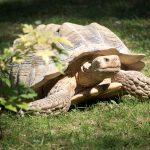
(102, 64)
(98, 69)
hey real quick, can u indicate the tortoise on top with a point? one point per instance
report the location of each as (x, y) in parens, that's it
(97, 64)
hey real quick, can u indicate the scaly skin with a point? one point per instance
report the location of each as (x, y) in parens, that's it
(58, 99)
(134, 82)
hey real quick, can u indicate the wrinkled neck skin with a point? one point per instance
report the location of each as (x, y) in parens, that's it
(134, 82)
(89, 79)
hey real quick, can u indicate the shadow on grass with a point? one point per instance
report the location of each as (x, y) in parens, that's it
(99, 142)
(45, 138)
(78, 141)
(16, 10)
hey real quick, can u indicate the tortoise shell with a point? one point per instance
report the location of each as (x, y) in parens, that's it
(88, 41)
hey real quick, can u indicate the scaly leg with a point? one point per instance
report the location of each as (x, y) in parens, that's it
(59, 98)
(134, 83)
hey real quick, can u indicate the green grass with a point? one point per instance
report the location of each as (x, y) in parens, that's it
(103, 125)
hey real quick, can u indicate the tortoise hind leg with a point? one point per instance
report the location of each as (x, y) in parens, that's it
(59, 98)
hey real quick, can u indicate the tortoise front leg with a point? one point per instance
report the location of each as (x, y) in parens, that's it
(135, 83)
(58, 100)
(52, 104)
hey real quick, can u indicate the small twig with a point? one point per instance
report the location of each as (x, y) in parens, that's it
(26, 142)
(1, 133)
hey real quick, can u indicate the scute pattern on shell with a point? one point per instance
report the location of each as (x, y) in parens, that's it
(93, 36)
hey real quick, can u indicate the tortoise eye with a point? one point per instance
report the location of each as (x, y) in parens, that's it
(106, 59)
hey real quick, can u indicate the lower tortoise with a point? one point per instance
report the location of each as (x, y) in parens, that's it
(98, 64)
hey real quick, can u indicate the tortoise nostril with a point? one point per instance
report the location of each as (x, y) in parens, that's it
(106, 59)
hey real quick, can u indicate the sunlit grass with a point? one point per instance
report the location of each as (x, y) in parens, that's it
(105, 126)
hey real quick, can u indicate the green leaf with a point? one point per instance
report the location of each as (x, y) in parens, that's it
(45, 54)
(6, 81)
(28, 96)
(27, 28)
(2, 101)
(6, 51)
(11, 107)
(62, 40)
(23, 105)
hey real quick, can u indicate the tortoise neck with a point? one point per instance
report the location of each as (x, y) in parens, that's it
(90, 79)
(86, 79)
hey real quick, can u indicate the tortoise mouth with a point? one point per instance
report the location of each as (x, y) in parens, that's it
(109, 69)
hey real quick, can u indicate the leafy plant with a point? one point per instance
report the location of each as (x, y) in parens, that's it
(13, 97)
(43, 43)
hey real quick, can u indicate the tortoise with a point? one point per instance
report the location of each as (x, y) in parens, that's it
(98, 64)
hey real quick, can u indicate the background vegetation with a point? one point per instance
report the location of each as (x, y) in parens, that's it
(103, 125)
